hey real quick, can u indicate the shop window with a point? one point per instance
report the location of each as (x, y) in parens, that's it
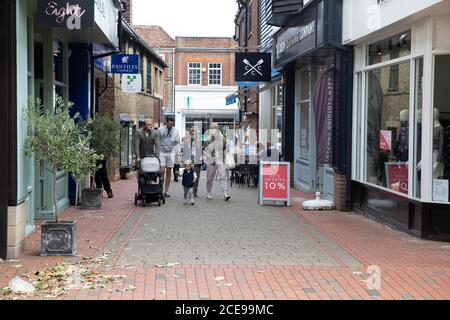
(195, 73)
(304, 110)
(389, 49)
(158, 81)
(215, 74)
(141, 69)
(418, 103)
(304, 131)
(126, 145)
(441, 129)
(149, 77)
(388, 128)
(393, 78)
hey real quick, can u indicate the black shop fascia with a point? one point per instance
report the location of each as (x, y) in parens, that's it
(308, 45)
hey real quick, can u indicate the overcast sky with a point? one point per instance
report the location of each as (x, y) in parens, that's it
(188, 17)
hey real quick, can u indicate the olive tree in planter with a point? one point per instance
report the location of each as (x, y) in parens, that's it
(105, 141)
(54, 137)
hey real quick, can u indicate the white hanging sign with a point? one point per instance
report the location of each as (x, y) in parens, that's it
(131, 83)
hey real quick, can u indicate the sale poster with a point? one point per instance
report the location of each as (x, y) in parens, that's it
(386, 140)
(397, 177)
(275, 183)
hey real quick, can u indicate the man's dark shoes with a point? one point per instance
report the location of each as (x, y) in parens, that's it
(110, 194)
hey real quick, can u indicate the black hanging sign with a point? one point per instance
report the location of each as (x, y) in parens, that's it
(254, 67)
(66, 14)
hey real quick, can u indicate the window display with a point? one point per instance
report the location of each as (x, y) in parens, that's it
(388, 128)
(441, 129)
(418, 102)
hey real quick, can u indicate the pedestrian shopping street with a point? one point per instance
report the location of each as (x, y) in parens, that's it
(236, 250)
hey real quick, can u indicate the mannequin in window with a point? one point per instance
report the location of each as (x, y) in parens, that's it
(403, 137)
(438, 147)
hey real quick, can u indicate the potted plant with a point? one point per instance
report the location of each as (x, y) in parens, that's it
(105, 141)
(54, 137)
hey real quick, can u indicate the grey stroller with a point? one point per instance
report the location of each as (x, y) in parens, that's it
(150, 183)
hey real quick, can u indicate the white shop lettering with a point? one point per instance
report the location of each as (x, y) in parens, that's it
(61, 12)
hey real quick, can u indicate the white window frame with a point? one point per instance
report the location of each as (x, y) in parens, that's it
(209, 74)
(188, 74)
(361, 117)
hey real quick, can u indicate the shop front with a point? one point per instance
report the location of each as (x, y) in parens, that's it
(48, 50)
(401, 118)
(198, 107)
(309, 53)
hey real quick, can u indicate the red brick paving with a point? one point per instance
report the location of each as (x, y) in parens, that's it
(411, 268)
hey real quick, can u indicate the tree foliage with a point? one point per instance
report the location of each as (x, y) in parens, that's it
(105, 135)
(53, 136)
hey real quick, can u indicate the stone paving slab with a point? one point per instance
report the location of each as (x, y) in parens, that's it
(238, 232)
(410, 268)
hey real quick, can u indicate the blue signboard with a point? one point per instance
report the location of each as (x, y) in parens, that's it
(231, 100)
(125, 63)
(99, 64)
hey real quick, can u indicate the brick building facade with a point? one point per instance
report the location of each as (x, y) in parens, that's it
(204, 77)
(160, 41)
(248, 37)
(131, 109)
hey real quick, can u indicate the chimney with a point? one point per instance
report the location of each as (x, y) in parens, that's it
(128, 15)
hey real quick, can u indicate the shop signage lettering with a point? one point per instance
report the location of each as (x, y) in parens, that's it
(275, 182)
(73, 15)
(383, 2)
(323, 97)
(300, 34)
(101, 7)
(125, 63)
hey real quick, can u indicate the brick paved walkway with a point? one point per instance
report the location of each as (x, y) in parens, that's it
(244, 251)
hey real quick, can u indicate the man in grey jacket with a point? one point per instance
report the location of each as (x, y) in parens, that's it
(147, 141)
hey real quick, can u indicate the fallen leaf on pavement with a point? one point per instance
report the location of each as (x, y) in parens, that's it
(228, 284)
(219, 279)
(18, 266)
(163, 291)
(357, 273)
(159, 266)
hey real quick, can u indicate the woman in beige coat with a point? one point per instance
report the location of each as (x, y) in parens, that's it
(215, 145)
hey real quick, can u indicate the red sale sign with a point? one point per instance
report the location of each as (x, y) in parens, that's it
(275, 182)
(397, 177)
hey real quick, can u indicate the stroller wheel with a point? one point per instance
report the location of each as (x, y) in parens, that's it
(159, 202)
(163, 199)
(143, 203)
(135, 199)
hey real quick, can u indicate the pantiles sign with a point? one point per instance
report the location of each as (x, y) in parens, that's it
(125, 64)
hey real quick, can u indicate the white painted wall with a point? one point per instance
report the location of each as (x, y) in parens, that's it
(363, 17)
(203, 98)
